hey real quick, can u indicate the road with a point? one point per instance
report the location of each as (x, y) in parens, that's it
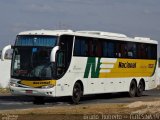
(9, 102)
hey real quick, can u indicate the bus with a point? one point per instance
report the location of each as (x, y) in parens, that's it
(59, 63)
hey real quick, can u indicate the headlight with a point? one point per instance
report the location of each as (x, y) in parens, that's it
(13, 84)
(48, 86)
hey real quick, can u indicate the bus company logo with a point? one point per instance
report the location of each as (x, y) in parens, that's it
(93, 66)
(48, 82)
(37, 83)
(101, 67)
(97, 66)
(127, 65)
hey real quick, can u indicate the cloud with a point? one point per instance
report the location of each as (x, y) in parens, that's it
(124, 16)
(40, 8)
(22, 26)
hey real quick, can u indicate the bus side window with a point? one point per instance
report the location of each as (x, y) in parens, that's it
(98, 46)
(110, 50)
(84, 48)
(81, 46)
(60, 62)
(149, 55)
(94, 47)
(123, 50)
(142, 51)
(132, 50)
(65, 53)
(152, 52)
(118, 53)
(60, 59)
(105, 48)
(77, 47)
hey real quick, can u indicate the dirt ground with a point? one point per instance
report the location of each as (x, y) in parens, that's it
(100, 111)
(4, 91)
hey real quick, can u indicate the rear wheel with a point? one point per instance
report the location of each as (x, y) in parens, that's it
(77, 93)
(140, 89)
(132, 89)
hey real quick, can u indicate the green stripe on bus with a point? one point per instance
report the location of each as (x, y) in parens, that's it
(91, 65)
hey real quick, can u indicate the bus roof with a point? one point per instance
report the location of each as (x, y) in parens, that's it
(96, 34)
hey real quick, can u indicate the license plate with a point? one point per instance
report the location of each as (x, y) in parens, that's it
(29, 91)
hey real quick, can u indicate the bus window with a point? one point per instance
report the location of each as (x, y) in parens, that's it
(123, 50)
(118, 53)
(131, 50)
(152, 52)
(105, 48)
(60, 59)
(108, 49)
(60, 62)
(142, 51)
(84, 48)
(98, 47)
(91, 47)
(66, 43)
(111, 48)
(120, 50)
(65, 53)
(77, 47)
(81, 46)
(149, 55)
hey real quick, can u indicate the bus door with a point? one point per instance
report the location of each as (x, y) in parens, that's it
(63, 61)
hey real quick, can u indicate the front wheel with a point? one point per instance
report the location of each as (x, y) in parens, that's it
(77, 93)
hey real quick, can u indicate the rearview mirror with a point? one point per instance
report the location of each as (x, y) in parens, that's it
(53, 54)
(4, 51)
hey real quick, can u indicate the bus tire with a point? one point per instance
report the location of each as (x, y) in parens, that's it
(77, 93)
(140, 89)
(132, 89)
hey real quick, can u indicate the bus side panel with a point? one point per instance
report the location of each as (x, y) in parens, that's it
(153, 80)
(74, 73)
(105, 75)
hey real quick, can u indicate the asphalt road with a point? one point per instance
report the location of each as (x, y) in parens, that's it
(9, 102)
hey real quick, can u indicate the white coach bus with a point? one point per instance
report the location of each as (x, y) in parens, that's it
(65, 63)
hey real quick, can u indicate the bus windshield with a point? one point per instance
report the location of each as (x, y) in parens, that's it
(31, 57)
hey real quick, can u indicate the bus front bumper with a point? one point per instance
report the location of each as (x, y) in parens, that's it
(48, 92)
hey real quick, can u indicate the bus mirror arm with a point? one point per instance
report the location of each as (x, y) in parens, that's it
(4, 51)
(53, 54)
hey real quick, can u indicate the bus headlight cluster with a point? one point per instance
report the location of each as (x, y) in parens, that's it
(13, 84)
(48, 86)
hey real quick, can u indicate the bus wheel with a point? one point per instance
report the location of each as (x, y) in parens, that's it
(140, 89)
(132, 89)
(77, 93)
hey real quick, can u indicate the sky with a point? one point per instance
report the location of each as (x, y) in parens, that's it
(130, 17)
